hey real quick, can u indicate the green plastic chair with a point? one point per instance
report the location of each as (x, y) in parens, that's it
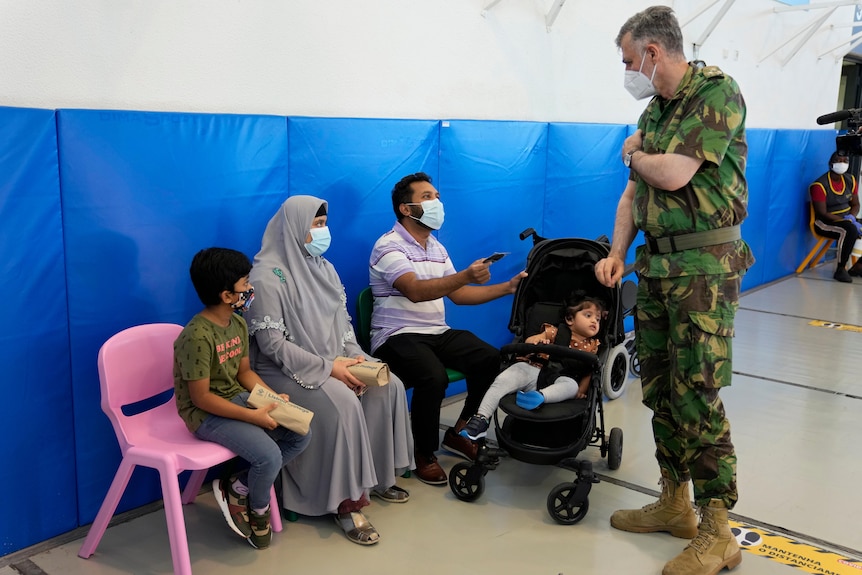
(364, 305)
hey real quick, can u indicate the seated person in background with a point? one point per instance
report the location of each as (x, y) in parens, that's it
(835, 200)
(300, 324)
(212, 381)
(410, 274)
(581, 323)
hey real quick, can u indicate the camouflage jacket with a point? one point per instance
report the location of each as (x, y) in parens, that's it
(705, 119)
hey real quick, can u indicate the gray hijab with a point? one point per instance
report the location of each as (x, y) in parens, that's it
(294, 291)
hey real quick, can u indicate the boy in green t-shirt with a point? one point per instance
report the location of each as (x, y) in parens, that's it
(212, 381)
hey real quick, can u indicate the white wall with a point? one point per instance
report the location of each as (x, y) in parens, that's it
(391, 58)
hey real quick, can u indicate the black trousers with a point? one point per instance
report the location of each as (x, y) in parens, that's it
(845, 232)
(421, 361)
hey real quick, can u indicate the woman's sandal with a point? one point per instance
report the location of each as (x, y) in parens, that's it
(393, 494)
(357, 528)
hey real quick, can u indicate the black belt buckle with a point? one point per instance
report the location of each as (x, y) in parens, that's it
(654, 248)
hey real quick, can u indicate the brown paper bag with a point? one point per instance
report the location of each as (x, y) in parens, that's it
(369, 372)
(286, 414)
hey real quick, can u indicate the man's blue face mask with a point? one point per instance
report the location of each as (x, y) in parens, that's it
(432, 213)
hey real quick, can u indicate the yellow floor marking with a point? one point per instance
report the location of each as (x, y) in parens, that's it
(838, 326)
(780, 548)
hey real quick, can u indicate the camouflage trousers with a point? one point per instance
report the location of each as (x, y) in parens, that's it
(683, 328)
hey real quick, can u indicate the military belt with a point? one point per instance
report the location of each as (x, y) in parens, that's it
(691, 241)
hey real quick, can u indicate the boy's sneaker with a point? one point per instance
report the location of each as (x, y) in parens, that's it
(233, 506)
(261, 529)
(476, 428)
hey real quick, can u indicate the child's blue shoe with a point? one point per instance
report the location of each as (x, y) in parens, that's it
(529, 399)
(476, 428)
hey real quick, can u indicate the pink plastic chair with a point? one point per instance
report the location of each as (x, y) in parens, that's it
(137, 364)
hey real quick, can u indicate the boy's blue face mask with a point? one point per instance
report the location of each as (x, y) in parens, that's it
(244, 301)
(320, 240)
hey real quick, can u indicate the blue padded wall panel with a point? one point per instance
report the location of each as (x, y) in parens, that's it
(799, 156)
(759, 177)
(353, 164)
(492, 183)
(35, 420)
(142, 193)
(585, 180)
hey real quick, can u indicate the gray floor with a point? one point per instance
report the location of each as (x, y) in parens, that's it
(795, 409)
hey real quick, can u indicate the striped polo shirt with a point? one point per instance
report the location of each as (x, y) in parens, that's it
(395, 254)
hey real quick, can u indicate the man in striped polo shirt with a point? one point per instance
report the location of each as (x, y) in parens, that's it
(410, 274)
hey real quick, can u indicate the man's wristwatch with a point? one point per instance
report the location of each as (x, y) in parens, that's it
(627, 158)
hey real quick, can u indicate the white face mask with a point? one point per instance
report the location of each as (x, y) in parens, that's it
(637, 83)
(432, 213)
(840, 168)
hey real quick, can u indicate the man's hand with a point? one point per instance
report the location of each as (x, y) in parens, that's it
(515, 281)
(609, 270)
(479, 272)
(852, 218)
(633, 143)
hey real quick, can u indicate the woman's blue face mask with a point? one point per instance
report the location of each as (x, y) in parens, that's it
(320, 240)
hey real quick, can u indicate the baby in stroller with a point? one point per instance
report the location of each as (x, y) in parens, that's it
(533, 378)
(556, 432)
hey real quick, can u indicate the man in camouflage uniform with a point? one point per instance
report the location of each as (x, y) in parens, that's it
(688, 194)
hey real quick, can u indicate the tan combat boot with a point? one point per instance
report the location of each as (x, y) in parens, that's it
(713, 549)
(672, 512)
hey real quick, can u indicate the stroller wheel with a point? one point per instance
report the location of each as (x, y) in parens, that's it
(467, 481)
(635, 365)
(562, 507)
(615, 448)
(634, 362)
(615, 372)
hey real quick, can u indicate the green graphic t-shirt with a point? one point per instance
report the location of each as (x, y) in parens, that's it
(204, 349)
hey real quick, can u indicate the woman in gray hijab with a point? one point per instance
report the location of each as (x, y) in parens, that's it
(300, 324)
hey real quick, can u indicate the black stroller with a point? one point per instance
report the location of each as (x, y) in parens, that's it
(555, 433)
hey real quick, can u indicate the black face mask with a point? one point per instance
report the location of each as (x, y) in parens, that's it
(244, 302)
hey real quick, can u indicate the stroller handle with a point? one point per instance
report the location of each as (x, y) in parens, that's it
(554, 351)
